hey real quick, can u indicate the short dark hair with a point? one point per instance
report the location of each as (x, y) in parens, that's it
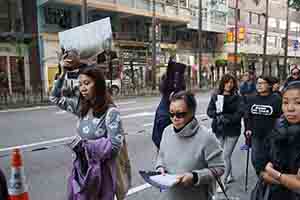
(225, 79)
(274, 80)
(268, 79)
(103, 97)
(189, 99)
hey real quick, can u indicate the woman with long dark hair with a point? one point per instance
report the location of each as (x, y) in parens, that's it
(100, 134)
(225, 108)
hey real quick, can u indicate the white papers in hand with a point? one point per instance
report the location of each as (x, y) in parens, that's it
(167, 180)
(219, 103)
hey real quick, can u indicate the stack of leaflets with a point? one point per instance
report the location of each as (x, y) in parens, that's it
(158, 180)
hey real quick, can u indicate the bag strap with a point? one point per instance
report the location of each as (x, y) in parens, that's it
(215, 174)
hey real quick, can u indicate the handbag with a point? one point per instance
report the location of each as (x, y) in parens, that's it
(261, 190)
(123, 170)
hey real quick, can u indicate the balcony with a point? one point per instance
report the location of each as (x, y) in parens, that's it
(131, 36)
(164, 12)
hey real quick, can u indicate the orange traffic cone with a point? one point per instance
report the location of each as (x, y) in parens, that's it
(17, 187)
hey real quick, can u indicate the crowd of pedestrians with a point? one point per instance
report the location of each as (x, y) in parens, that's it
(270, 114)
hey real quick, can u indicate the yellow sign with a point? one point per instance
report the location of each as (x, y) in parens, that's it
(52, 70)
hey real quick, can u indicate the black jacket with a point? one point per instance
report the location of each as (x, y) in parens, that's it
(173, 80)
(282, 149)
(262, 113)
(228, 123)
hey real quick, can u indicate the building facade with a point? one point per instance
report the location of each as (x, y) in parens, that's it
(131, 20)
(19, 58)
(252, 22)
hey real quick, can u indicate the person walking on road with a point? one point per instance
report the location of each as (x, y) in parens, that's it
(261, 114)
(226, 110)
(172, 82)
(247, 86)
(100, 134)
(189, 151)
(280, 162)
(275, 85)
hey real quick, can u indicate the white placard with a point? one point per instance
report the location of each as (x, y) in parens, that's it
(88, 39)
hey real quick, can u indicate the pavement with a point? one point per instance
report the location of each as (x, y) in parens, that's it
(47, 170)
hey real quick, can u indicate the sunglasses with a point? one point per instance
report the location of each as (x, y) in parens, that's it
(295, 74)
(178, 115)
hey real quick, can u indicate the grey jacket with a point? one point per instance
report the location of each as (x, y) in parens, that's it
(193, 149)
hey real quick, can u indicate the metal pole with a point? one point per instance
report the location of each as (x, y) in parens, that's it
(153, 45)
(84, 18)
(247, 169)
(265, 36)
(200, 41)
(236, 35)
(286, 40)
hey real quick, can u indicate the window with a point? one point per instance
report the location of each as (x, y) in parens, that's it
(253, 38)
(272, 41)
(218, 17)
(231, 13)
(282, 24)
(183, 3)
(294, 27)
(275, 1)
(254, 18)
(59, 16)
(272, 22)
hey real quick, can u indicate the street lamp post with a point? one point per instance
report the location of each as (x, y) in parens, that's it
(84, 12)
(153, 45)
(265, 36)
(286, 41)
(236, 35)
(200, 40)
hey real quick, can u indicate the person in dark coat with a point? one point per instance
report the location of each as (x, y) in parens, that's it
(226, 120)
(295, 75)
(3, 187)
(280, 161)
(262, 112)
(172, 82)
(247, 86)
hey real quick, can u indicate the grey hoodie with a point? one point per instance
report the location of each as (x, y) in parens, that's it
(193, 149)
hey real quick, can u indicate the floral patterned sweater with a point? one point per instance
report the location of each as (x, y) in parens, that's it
(90, 127)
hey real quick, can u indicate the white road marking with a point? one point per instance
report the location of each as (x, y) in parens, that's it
(142, 114)
(27, 109)
(60, 112)
(138, 189)
(62, 141)
(150, 124)
(136, 108)
(125, 103)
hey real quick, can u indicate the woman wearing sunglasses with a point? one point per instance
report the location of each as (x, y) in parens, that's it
(295, 75)
(188, 150)
(226, 119)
